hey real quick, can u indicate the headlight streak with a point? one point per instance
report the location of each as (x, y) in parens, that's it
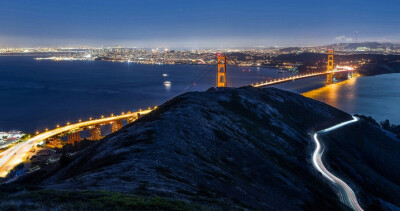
(346, 193)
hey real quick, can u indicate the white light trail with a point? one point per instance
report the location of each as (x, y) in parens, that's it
(350, 198)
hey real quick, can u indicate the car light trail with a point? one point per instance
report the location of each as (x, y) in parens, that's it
(346, 193)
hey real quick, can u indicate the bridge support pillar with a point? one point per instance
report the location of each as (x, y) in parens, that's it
(74, 136)
(329, 76)
(95, 133)
(54, 142)
(116, 125)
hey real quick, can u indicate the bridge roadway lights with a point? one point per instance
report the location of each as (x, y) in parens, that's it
(95, 133)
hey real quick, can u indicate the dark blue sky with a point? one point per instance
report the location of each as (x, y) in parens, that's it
(205, 23)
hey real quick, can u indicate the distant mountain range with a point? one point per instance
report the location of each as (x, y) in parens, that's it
(370, 45)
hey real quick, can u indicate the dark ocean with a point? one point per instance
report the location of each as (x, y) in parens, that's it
(39, 94)
(35, 95)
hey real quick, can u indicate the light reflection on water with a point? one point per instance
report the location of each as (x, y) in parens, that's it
(376, 96)
(330, 93)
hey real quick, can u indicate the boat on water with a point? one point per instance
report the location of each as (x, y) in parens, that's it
(167, 83)
(281, 71)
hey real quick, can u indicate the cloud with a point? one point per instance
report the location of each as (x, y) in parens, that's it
(343, 38)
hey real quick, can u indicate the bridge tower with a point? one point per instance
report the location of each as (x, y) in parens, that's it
(221, 74)
(329, 76)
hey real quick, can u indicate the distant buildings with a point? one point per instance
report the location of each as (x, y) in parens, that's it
(280, 57)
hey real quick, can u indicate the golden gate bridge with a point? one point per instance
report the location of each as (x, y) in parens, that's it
(19, 152)
(221, 75)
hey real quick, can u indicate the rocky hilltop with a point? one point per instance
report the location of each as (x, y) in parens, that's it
(242, 148)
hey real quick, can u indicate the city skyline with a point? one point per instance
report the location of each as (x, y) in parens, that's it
(205, 24)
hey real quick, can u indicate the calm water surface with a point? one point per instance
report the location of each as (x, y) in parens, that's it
(39, 94)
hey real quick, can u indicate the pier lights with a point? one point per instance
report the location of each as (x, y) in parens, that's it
(47, 129)
(122, 113)
(102, 116)
(155, 107)
(148, 108)
(112, 115)
(37, 132)
(90, 118)
(140, 109)
(80, 120)
(58, 125)
(68, 123)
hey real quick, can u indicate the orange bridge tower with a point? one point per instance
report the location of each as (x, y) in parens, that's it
(221, 74)
(329, 76)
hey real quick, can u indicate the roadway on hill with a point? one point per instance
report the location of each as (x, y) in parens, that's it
(18, 153)
(346, 194)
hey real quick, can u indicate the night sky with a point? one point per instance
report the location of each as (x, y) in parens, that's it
(195, 24)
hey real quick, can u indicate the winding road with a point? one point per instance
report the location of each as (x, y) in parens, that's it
(346, 194)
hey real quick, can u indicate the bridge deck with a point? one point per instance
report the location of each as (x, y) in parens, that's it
(292, 78)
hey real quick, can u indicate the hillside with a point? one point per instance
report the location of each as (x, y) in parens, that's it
(228, 148)
(383, 67)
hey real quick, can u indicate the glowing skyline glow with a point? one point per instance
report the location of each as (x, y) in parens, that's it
(196, 24)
